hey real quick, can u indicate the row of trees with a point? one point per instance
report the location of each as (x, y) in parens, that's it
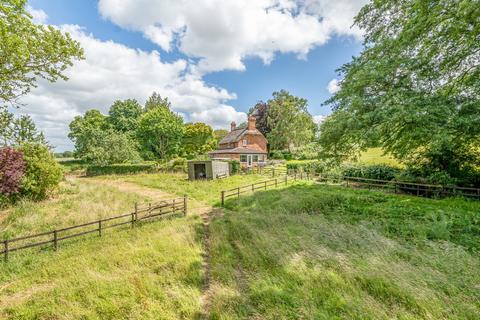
(131, 132)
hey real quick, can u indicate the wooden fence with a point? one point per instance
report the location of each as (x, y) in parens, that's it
(140, 213)
(262, 185)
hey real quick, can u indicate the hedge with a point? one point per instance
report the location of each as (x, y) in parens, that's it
(94, 170)
(376, 171)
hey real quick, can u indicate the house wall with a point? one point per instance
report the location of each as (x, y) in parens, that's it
(254, 141)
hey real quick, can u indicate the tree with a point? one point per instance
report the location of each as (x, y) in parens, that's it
(15, 131)
(198, 139)
(123, 115)
(156, 100)
(289, 121)
(160, 132)
(260, 112)
(414, 89)
(84, 131)
(12, 169)
(109, 147)
(29, 51)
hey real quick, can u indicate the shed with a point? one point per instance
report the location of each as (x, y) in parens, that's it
(207, 169)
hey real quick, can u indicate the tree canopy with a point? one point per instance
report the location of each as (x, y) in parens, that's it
(198, 139)
(29, 51)
(414, 90)
(123, 115)
(289, 121)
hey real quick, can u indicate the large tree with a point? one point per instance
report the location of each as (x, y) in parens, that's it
(198, 139)
(160, 133)
(415, 87)
(290, 123)
(123, 115)
(29, 51)
(260, 112)
(156, 100)
(16, 131)
(86, 130)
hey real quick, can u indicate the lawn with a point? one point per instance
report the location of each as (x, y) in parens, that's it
(377, 156)
(323, 252)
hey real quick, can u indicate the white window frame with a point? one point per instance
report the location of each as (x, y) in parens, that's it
(245, 142)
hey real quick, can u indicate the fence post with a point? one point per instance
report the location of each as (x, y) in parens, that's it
(347, 181)
(99, 228)
(184, 204)
(418, 190)
(265, 183)
(5, 246)
(286, 179)
(295, 175)
(134, 214)
(55, 240)
(396, 186)
(273, 172)
(275, 183)
(173, 206)
(238, 192)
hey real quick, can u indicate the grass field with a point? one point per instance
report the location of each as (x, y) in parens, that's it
(322, 252)
(305, 251)
(377, 156)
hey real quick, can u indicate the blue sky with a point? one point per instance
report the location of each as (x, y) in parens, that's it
(213, 70)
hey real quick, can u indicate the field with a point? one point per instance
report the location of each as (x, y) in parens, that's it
(308, 251)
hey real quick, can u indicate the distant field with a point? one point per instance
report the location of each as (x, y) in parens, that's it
(376, 156)
(322, 252)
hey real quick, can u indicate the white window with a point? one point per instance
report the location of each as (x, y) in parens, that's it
(255, 158)
(243, 158)
(244, 142)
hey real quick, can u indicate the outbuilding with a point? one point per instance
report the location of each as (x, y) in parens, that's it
(207, 169)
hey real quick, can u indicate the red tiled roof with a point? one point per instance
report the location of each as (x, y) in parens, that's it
(238, 151)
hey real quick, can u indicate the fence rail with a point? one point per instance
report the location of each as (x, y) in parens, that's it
(140, 213)
(418, 189)
(263, 185)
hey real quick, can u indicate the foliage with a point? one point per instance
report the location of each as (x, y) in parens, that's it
(42, 172)
(12, 170)
(260, 112)
(109, 147)
(15, 131)
(276, 155)
(234, 166)
(316, 166)
(86, 129)
(376, 171)
(289, 121)
(123, 115)
(306, 152)
(160, 132)
(414, 89)
(97, 170)
(198, 139)
(176, 164)
(156, 101)
(30, 51)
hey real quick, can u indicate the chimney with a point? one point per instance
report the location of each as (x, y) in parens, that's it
(233, 126)
(252, 123)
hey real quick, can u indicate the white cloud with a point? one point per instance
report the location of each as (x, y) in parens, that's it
(113, 71)
(38, 16)
(222, 33)
(333, 86)
(319, 119)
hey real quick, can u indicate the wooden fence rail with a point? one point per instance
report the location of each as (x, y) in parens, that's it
(140, 213)
(262, 185)
(418, 189)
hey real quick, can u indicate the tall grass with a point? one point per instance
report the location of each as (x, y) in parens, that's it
(319, 252)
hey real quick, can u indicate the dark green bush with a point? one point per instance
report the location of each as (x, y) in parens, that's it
(95, 170)
(376, 171)
(307, 166)
(234, 166)
(277, 155)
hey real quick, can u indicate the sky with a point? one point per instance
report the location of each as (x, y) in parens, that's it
(213, 59)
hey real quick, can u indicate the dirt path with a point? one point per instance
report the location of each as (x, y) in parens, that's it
(207, 214)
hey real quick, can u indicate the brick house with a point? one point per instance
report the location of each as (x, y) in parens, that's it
(245, 144)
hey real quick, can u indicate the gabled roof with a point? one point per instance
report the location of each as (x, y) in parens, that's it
(233, 136)
(237, 134)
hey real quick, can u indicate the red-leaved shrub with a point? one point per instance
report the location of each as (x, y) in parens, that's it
(12, 169)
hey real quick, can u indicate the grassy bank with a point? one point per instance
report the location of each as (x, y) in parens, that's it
(320, 252)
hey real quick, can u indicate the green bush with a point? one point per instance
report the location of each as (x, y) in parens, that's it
(42, 174)
(95, 170)
(276, 155)
(176, 164)
(316, 166)
(234, 166)
(377, 171)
